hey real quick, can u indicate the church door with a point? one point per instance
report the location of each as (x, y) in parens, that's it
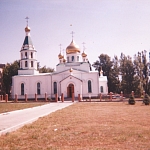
(70, 90)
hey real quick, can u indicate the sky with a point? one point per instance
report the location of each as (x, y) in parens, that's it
(107, 27)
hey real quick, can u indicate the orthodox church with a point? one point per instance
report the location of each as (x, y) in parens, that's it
(73, 74)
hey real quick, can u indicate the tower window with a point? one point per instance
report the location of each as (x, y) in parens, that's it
(102, 90)
(26, 64)
(55, 87)
(89, 86)
(22, 88)
(25, 54)
(38, 88)
(31, 55)
(77, 58)
(72, 58)
(31, 63)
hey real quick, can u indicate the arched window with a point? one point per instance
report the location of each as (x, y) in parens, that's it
(22, 88)
(25, 54)
(77, 58)
(31, 55)
(89, 86)
(102, 90)
(26, 64)
(31, 63)
(72, 58)
(38, 88)
(55, 87)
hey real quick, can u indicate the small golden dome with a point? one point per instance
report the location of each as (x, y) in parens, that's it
(27, 29)
(60, 56)
(83, 54)
(71, 70)
(72, 48)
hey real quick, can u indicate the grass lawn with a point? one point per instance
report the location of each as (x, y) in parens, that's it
(6, 107)
(86, 126)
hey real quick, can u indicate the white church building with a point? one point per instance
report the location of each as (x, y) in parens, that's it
(73, 74)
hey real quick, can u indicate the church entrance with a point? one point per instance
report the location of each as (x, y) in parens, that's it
(70, 90)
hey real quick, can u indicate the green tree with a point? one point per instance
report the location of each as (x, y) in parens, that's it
(114, 77)
(110, 69)
(129, 81)
(45, 70)
(142, 71)
(10, 69)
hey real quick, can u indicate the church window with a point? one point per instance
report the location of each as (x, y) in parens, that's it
(89, 86)
(72, 58)
(67, 59)
(102, 90)
(31, 63)
(38, 88)
(31, 55)
(55, 87)
(77, 58)
(22, 88)
(26, 64)
(25, 54)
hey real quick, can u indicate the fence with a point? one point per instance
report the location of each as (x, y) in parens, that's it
(55, 98)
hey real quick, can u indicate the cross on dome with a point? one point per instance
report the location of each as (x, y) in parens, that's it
(83, 46)
(27, 18)
(60, 46)
(72, 34)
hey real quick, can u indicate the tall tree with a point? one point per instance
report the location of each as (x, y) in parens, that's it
(129, 80)
(110, 69)
(114, 76)
(9, 70)
(142, 71)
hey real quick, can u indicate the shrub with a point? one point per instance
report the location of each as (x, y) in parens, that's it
(146, 99)
(131, 100)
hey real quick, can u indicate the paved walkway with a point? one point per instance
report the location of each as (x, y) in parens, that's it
(11, 121)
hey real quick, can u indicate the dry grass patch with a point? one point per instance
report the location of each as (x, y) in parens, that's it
(7, 107)
(86, 126)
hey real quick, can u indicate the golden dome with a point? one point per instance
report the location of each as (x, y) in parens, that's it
(27, 29)
(83, 54)
(72, 48)
(60, 56)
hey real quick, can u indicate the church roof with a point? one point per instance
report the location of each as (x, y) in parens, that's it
(27, 41)
(71, 76)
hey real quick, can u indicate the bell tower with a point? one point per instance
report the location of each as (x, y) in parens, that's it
(28, 62)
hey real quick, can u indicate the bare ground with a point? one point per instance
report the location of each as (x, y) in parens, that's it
(86, 126)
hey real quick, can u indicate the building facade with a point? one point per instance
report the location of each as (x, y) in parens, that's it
(73, 74)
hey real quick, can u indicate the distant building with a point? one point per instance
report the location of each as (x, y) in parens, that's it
(73, 74)
(1, 70)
